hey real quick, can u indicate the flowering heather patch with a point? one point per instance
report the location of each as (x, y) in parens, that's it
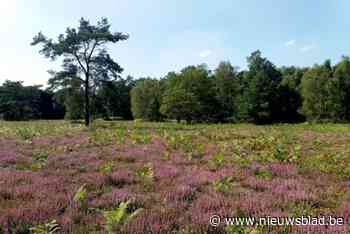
(155, 221)
(257, 204)
(165, 169)
(112, 198)
(200, 176)
(121, 177)
(282, 169)
(8, 158)
(93, 180)
(258, 184)
(136, 153)
(292, 190)
(184, 193)
(78, 139)
(11, 155)
(344, 211)
(74, 159)
(204, 207)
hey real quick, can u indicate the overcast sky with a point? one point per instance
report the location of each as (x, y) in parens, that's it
(166, 35)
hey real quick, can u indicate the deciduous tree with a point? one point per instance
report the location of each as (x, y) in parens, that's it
(262, 89)
(227, 90)
(146, 99)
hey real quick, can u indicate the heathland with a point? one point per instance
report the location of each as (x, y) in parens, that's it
(141, 177)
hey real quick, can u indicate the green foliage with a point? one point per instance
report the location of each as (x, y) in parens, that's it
(80, 194)
(22, 228)
(325, 92)
(262, 90)
(146, 99)
(106, 167)
(198, 151)
(190, 96)
(120, 136)
(317, 104)
(140, 137)
(145, 172)
(48, 228)
(25, 133)
(240, 160)
(240, 229)
(340, 96)
(261, 94)
(74, 102)
(113, 99)
(224, 185)
(295, 153)
(281, 152)
(18, 102)
(119, 216)
(101, 137)
(264, 174)
(217, 160)
(178, 141)
(179, 104)
(89, 83)
(186, 143)
(290, 97)
(226, 85)
(27, 130)
(86, 59)
(40, 158)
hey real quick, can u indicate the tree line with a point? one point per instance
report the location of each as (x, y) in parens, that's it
(90, 84)
(19, 102)
(262, 94)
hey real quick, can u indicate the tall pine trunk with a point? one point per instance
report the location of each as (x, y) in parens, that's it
(87, 101)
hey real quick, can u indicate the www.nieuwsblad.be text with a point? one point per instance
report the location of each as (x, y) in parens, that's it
(216, 221)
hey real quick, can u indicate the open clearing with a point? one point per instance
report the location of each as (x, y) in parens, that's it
(178, 175)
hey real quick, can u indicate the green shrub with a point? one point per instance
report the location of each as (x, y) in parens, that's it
(116, 218)
(224, 185)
